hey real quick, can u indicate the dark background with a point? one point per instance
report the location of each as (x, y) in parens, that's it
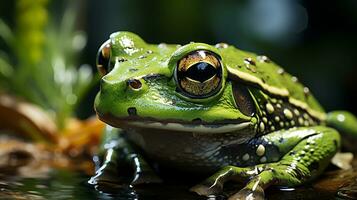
(313, 40)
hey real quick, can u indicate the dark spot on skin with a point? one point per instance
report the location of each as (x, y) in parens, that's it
(292, 153)
(132, 111)
(142, 56)
(314, 166)
(263, 80)
(239, 66)
(302, 154)
(134, 83)
(281, 140)
(149, 52)
(151, 76)
(133, 70)
(197, 120)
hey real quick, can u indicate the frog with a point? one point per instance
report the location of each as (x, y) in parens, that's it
(215, 110)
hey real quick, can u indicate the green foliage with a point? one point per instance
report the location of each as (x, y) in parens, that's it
(45, 54)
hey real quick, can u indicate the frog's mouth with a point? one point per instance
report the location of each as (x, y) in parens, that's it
(195, 126)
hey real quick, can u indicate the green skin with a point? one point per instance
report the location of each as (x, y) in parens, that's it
(287, 141)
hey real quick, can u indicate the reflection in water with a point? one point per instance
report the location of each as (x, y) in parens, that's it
(65, 184)
(58, 185)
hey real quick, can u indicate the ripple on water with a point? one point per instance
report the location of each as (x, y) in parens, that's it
(62, 184)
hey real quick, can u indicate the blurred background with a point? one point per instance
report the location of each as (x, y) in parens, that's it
(314, 40)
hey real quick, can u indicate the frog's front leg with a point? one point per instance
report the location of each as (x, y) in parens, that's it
(121, 164)
(305, 153)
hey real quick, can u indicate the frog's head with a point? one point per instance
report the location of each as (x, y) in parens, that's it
(169, 87)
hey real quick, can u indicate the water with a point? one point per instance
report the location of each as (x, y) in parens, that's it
(67, 184)
(60, 184)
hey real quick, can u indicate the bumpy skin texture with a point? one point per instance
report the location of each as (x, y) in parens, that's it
(260, 124)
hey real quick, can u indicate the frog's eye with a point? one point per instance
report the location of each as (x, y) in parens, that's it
(103, 58)
(199, 74)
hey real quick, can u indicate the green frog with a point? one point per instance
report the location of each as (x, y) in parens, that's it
(213, 110)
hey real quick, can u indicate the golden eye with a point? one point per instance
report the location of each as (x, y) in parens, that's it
(103, 58)
(199, 74)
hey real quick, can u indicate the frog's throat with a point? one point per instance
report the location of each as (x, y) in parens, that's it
(209, 128)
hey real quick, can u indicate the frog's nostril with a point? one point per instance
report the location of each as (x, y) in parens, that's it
(134, 83)
(132, 111)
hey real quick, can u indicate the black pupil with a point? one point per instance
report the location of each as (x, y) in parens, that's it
(201, 71)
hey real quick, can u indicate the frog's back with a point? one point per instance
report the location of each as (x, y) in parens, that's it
(265, 74)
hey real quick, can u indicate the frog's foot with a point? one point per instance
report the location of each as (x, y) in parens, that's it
(301, 163)
(143, 173)
(122, 165)
(109, 173)
(214, 184)
(133, 170)
(254, 192)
